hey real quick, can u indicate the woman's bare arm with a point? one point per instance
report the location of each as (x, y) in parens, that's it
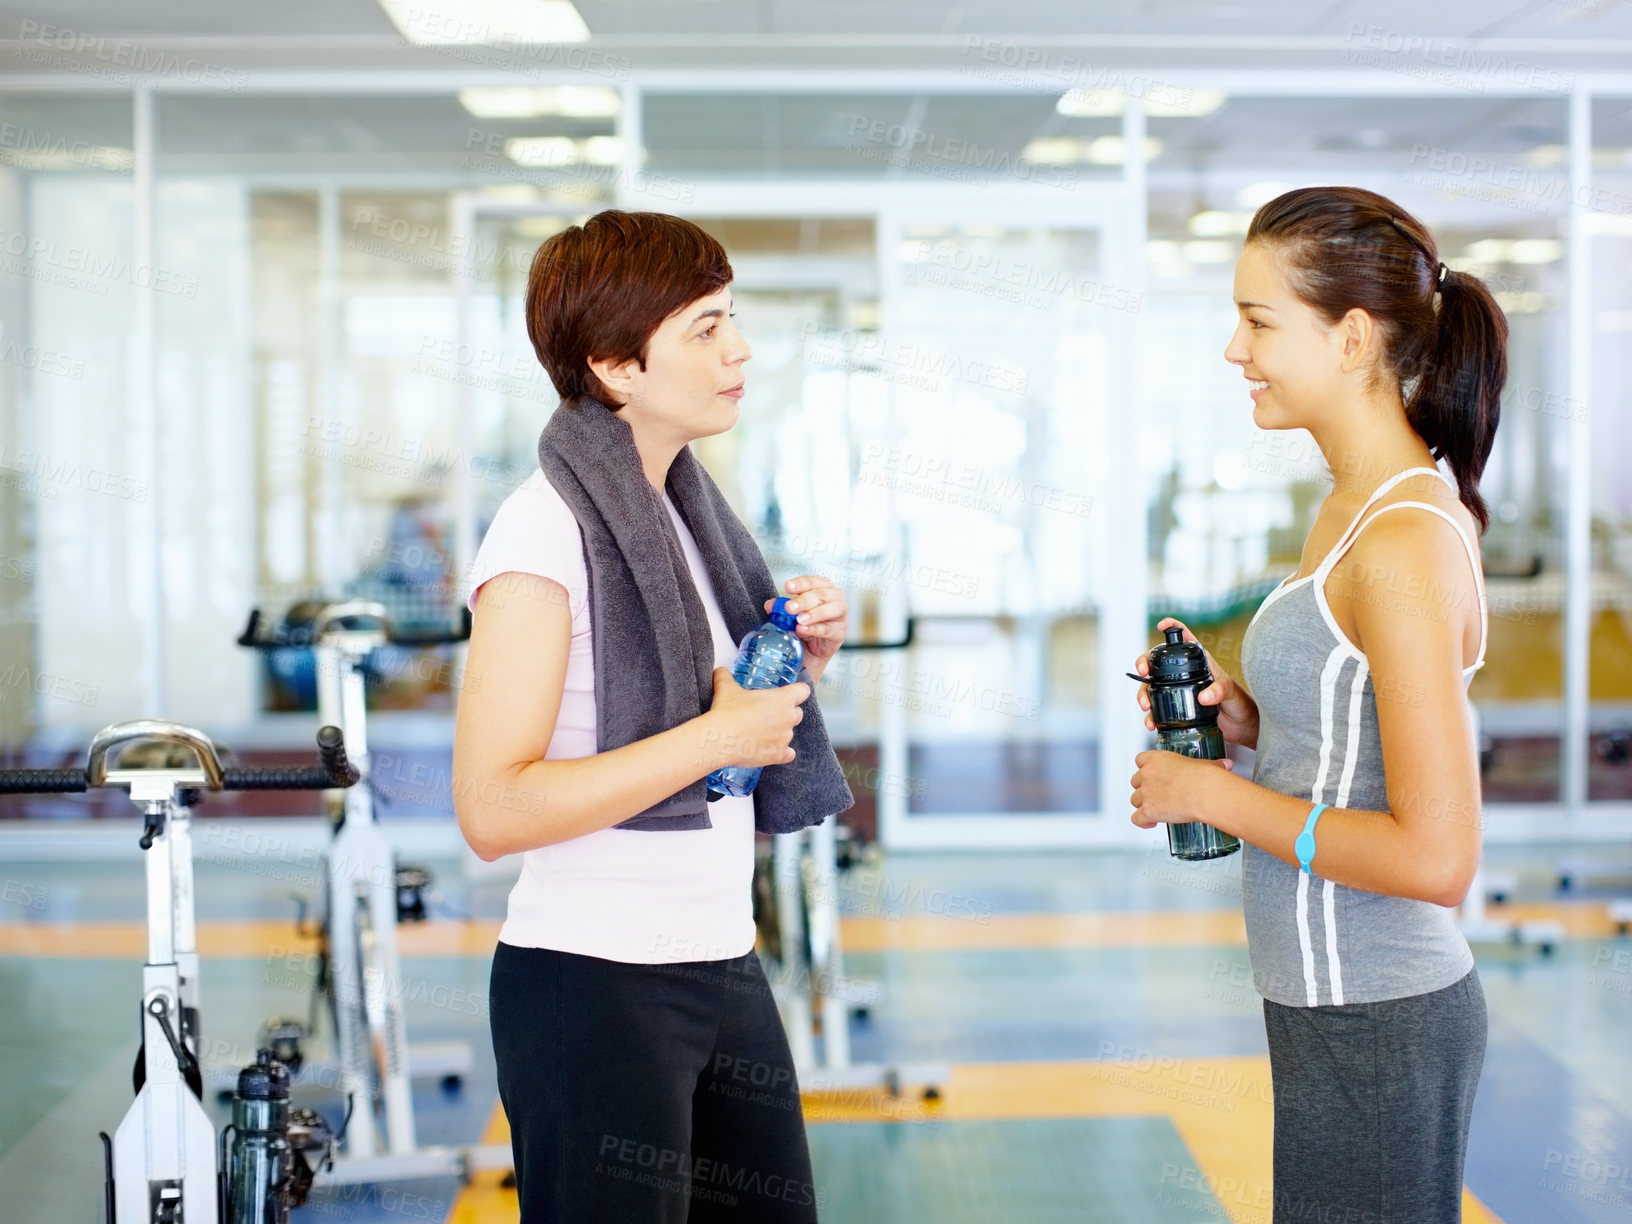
(1411, 594)
(508, 799)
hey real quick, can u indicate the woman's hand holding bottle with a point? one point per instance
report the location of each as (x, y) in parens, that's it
(752, 727)
(1237, 711)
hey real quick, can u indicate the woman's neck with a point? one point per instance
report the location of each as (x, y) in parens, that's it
(656, 460)
(656, 446)
(1367, 444)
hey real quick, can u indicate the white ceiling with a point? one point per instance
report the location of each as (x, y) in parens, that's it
(654, 19)
(705, 34)
(690, 130)
(343, 105)
(697, 135)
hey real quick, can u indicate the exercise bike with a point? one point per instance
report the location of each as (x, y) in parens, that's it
(796, 911)
(367, 895)
(160, 1166)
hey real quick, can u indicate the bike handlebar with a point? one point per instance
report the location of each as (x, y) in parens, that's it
(281, 637)
(333, 770)
(437, 637)
(251, 634)
(41, 781)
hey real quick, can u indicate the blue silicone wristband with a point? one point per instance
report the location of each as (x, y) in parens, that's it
(1304, 846)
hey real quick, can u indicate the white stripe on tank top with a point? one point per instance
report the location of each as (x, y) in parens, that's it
(1345, 763)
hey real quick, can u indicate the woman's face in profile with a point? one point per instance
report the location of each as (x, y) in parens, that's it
(1283, 347)
(693, 380)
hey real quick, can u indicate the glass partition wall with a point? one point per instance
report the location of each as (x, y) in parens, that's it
(1606, 415)
(1230, 504)
(973, 378)
(77, 560)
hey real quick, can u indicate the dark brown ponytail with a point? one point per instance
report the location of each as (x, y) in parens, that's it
(1344, 247)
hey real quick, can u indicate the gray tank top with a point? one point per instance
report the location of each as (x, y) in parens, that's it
(1313, 942)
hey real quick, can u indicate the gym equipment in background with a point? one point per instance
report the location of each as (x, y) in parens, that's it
(1613, 748)
(160, 1165)
(799, 934)
(796, 908)
(1478, 927)
(265, 1171)
(367, 896)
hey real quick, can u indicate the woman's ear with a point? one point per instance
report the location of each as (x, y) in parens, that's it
(618, 377)
(1357, 340)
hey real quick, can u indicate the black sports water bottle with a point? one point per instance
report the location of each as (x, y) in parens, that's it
(267, 1172)
(262, 1161)
(1178, 674)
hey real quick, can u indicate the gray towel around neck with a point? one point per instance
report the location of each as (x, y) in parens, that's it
(653, 650)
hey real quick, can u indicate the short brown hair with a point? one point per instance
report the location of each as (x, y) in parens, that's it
(600, 289)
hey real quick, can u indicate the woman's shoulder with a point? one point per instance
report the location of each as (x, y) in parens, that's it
(532, 507)
(1411, 525)
(533, 532)
(1420, 562)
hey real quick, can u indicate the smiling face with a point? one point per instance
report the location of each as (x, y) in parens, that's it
(693, 380)
(1293, 360)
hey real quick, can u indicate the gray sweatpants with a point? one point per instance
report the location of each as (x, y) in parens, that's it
(1372, 1105)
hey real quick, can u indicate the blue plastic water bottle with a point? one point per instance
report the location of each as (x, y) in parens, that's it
(768, 658)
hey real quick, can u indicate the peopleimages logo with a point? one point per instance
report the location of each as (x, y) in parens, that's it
(1447, 61)
(19, 143)
(89, 268)
(1484, 178)
(38, 467)
(143, 61)
(1031, 67)
(898, 144)
(452, 34)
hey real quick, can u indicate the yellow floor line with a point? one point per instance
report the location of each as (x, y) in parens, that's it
(486, 1199)
(1580, 919)
(469, 938)
(1221, 1109)
(120, 940)
(910, 933)
(935, 933)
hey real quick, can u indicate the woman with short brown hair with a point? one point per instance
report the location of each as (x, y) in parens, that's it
(641, 1060)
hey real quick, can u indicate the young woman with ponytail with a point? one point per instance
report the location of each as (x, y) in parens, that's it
(1362, 818)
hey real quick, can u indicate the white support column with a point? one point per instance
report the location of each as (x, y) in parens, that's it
(464, 488)
(1125, 569)
(1578, 511)
(144, 401)
(894, 732)
(631, 131)
(328, 549)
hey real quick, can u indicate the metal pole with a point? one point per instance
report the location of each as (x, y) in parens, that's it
(331, 538)
(631, 132)
(1578, 512)
(464, 483)
(1126, 567)
(894, 730)
(144, 405)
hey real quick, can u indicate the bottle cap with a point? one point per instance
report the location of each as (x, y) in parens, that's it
(781, 617)
(266, 1080)
(1177, 661)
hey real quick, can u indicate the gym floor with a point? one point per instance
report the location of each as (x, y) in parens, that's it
(1106, 1049)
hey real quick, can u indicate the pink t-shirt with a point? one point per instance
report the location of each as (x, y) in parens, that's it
(619, 894)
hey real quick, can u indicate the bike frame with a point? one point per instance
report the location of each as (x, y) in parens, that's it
(362, 898)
